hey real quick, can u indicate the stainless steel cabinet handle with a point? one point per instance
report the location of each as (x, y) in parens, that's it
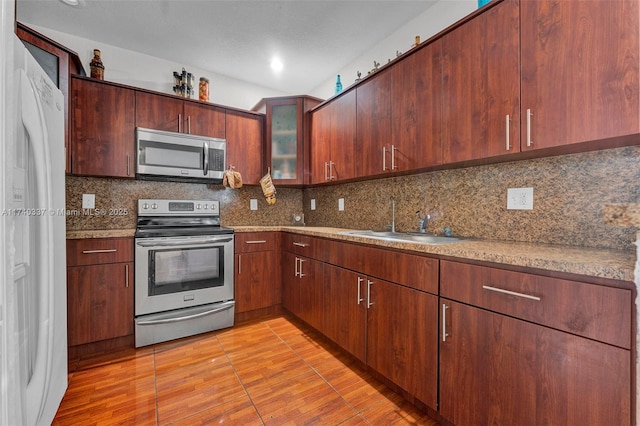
(326, 175)
(300, 273)
(444, 322)
(301, 244)
(239, 264)
(256, 242)
(369, 302)
(512, 293)
(297, 273)
(331, 167)
(189, 124)
(99, 251)
(529, 115)
(126, 275)
(393, 157)
(507, 126)
(128, 166)
(360, 299)
(179, 123)
(384, 158)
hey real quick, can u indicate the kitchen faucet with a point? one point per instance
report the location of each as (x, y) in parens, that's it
(424, 222)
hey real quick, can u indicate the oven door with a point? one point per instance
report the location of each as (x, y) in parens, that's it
(180, 272)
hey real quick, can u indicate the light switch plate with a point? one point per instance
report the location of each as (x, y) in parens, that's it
(313, 204)
(253, 204)
(88, 201)
(520, 199)
(341, 204)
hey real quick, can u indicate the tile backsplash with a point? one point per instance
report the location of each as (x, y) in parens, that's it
(569, 194)
(118, 198)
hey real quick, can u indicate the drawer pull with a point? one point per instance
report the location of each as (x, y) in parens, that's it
(444, 322)
(99, 251)
(301, 244)
(256, 242)
(126, 275)
(512, 293)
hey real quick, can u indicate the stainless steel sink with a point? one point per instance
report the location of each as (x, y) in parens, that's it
(408, 237)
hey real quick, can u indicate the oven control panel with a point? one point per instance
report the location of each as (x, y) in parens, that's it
(151, 207)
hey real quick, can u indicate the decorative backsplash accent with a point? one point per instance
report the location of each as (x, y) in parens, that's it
(569, 196)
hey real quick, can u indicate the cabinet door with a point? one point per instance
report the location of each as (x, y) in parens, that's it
(481, 76)
(285, 140)
(204, 120)
(373, 141)
(103, 129)
(343, 137)
(345, 309)
(99, 302)
(321, 144)
(160, 112)
(416, 107)
(496, 369)
(402, 338)
(579, 70)
(310, 274)
(257, 283)
(290, 283)
(244, 135)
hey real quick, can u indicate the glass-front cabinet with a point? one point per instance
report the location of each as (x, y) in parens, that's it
(287, 144)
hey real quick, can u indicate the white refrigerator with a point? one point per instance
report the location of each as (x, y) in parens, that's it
(33, 326)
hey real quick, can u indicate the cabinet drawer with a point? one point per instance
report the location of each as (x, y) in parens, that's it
(590, 310)
(303, 245)
(94, 251)
(413, 271)
(247, 242)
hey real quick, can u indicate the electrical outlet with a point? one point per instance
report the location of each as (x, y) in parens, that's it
(341, 204)
(313, 204)
(253, 204)
(520, 199)
(88, 201)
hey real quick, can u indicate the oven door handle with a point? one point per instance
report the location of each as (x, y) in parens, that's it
(183, 242)
(223, 307)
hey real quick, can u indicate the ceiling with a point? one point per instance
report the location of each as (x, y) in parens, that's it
(313, 39)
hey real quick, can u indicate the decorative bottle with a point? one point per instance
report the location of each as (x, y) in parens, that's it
(96, 65)
(338, 85)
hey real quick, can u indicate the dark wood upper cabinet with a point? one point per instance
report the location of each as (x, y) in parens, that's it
(59, 63)
(579, 71)
(204, 120)
(159, 112)
(287, 139)
(244, 134)
(103, 129)
(373, 118)
(481, 85)
(416, 108)
(333, 140)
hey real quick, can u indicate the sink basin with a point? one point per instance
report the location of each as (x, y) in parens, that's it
(408, 237)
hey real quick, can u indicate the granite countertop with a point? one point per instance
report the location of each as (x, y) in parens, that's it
(602, 263)
(592, 262)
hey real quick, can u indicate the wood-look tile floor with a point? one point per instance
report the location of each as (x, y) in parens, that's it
(270, 372)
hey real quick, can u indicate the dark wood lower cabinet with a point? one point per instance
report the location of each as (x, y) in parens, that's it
(402, 338)
(100, 302)
(256, 281)
(302, 288)
(496, 369)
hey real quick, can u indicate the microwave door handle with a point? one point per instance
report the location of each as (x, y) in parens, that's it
(206, 158)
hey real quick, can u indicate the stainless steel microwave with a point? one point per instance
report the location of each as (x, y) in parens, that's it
(179, 157)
